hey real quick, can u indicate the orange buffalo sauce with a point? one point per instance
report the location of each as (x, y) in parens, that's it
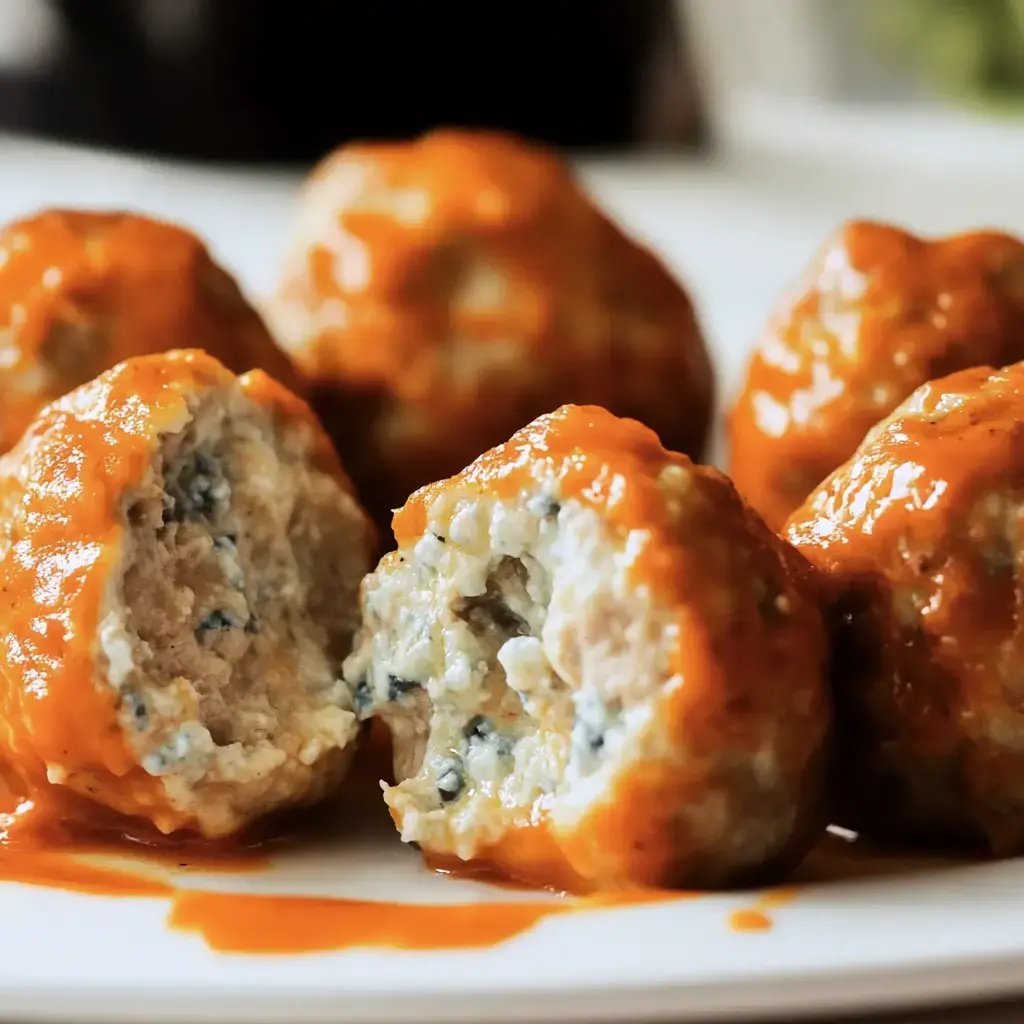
(750, 920)
(57, 869)
(757, 917)
(253, 923)
(741, 609)
(47, 844)
(138, 861)
(242, 922)
(247, 923)
(62, 493)
(439, 293)
(613, 464)
(878, 313)
(83, 290)
(917, 540)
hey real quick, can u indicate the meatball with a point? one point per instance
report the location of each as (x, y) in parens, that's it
(80, 292)
(921, 539)
(180, 556)
(599, 667)
(879, 313)
(442, 293)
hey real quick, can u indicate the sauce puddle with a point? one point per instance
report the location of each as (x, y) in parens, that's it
(59, 870)
(38, 849)
(247, 923)
(144, 865)
(251, 923)
(757, 916)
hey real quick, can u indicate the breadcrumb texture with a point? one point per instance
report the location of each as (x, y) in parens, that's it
(180, 555)
(599, 667)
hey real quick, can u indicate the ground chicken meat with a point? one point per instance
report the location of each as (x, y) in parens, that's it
(180, 556)
(879, 313)
(80, 292)
(441, 293)
(599, 667)
(921, 535)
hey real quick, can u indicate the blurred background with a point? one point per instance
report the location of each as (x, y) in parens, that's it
(729, 135)
(282, 81)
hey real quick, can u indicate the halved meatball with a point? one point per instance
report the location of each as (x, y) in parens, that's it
(180, 555)
(878, 313)
(81, 291)
(599, 667)
(921, 536)
(441, 293)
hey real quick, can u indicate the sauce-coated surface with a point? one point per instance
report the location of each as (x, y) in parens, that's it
(757, 916)
(442, 293)
(82, 291)
(750, 920)
(62, 521)
(256, 923)
(233, 923)
(56, 870)
(294, 924)
(878, 313)
(920, 539)
(748, 658)
(237, 921)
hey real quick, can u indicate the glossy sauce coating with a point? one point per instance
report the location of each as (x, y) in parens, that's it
(444, 292)
(751, 649)
(245, 923)
(757, 916)
(250, 923)
(59, 871)
(61, 524)
(919, 537)
(878, 313)
(82, 291)
(750, 920)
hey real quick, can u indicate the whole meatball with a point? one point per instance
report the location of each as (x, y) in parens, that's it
(599, 667)
(442, 293)
(878, 313)
(180, 555)
(921, 536)
(81, 291)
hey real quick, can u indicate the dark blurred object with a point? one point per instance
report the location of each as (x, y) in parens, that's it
(287, 80)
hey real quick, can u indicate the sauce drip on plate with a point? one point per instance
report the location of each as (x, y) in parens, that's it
(245, 922)
(757, 916)
(57, 869)
(248, 923)
(142, 864)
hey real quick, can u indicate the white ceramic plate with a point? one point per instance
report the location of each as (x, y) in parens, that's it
(936, 935)
(910, 938)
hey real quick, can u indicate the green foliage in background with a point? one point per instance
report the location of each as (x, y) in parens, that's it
(965, 49)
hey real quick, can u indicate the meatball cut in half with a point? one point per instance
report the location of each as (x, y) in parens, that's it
(82, 291)
(441, 293)
(922, 535)
(179, 571)
(599, 667)
(879, 313)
